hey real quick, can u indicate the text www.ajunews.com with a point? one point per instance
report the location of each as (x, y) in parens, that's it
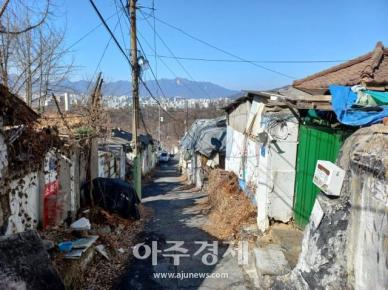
(191, 275)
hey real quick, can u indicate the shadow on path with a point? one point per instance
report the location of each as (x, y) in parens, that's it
(175, 219)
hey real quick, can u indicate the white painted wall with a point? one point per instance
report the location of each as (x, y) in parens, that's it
(24, 204)
(198, 171)
(263, 190)
(268, 170)
(75, 184)
(282, 171)
(369, 234)
(103, 163)
(3, 158)
(234, 150)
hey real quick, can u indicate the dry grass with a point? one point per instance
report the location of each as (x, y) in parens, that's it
(230, 207)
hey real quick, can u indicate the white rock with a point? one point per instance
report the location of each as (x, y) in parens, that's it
(83, 224)
(101, 250)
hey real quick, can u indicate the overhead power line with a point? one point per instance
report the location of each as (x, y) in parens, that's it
(102, 56)
(173, 56)
(110, 32)
(142, 50)
(245, 61)
(190, 90)
(121, 28)
(152, 72)
(88, 33)
(221, 49)
(127, 58)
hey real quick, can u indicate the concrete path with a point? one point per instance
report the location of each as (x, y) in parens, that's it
(177, 219)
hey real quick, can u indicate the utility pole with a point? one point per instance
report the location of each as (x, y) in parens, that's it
(159, 125)
(135, 99)
(187, 116)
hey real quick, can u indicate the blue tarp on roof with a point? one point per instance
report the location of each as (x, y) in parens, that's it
(342, 101)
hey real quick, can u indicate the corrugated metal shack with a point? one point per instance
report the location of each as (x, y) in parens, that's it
(203, 147)
(147, 150)
(261, 151)
(112, 161)
(322, 130)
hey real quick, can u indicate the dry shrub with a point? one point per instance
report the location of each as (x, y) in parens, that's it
(230, 207)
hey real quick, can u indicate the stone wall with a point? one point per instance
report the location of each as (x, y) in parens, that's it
(4, 200)
(348, 249)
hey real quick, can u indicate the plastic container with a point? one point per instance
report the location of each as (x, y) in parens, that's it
(65, 246)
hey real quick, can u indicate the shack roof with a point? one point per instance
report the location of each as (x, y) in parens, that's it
(265, 97)
(237, 102)
(145, 139)
(14, 110)
(206, 136)
(370, 69)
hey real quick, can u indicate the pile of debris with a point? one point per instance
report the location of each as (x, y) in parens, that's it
(28, 144)
(100, 244)
(230, 208)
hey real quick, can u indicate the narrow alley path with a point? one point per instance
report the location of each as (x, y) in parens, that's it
(176, 219)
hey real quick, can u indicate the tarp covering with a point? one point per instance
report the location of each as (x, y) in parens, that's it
(206, 136)
(144, 139)
(343, 101)
(381, 98)
(114, 195)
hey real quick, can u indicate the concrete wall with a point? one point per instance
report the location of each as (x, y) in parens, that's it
(66, 186)
(186, 167)
(148, 159)
(122, 163)
(283, 156)
(75, 182)
(345, 243)
(199, 174)
(265, 161)
(3, 158)
(238, 118)
(82, 172)
(112, 161)
(234, 145)
(24, 204)
(107, 165)
(4, 207)
(44, 196)
(368, 238)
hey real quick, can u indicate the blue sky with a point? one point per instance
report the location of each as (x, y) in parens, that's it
(255, 30)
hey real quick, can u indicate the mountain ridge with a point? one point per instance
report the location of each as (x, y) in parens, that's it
(178, 87)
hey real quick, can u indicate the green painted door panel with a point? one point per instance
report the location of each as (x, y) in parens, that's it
(315, 143)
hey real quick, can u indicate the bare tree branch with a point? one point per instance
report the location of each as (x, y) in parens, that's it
(5, 4)
(29, 27)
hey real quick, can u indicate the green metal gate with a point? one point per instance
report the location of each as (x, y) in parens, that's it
(315, 143)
